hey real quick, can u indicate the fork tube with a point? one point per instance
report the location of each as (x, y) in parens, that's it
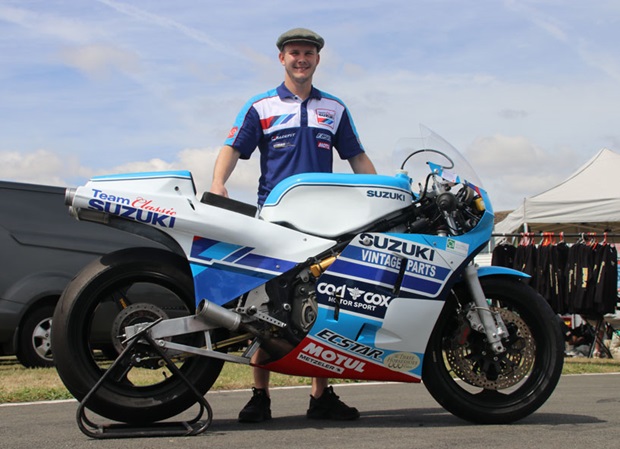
(491, 329)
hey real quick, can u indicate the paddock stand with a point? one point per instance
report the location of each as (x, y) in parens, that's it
(157, 429)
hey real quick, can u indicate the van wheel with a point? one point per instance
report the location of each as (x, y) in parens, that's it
(34, 349)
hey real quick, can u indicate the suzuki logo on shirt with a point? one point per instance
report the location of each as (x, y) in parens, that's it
(326, 117)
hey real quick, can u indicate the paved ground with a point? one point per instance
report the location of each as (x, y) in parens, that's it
(584, 412)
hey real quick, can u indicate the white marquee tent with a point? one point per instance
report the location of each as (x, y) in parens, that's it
(587, 201)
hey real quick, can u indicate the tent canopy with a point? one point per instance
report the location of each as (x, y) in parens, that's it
(587, 201)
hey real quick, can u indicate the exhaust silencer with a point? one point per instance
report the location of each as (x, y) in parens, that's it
(210, 313)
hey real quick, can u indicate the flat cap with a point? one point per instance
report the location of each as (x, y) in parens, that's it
(300, 35)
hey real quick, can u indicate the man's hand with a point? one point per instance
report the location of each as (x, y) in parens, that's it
(224, 166)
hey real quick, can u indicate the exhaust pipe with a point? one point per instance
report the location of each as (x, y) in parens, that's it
(69, 196)
(210, 313)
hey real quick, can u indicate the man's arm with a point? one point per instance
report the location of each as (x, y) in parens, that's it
(361, 163)
(224, 165)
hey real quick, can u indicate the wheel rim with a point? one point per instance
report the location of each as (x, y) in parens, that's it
(124, 303)
(41, 339)
(475, 363)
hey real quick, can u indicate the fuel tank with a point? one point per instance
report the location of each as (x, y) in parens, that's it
(333, 204)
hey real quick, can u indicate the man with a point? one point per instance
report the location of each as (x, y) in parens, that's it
(295, 128)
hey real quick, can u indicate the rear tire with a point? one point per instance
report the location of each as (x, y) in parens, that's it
(461, 372)
(123, 288)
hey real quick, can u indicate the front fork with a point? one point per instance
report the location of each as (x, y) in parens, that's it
(481, 318)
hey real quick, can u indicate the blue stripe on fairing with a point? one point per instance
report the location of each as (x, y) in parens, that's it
(224, 271)
(221, 284)
(420, 285)
(399, 182)
(266, 263)
(220, 251)
(368, 273)
(183, 174)
(236, 257)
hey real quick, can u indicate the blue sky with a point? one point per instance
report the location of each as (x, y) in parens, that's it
(528, 90)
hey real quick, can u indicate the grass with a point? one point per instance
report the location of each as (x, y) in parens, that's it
(19, 384)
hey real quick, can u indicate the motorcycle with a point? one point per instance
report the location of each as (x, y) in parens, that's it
(366, 277)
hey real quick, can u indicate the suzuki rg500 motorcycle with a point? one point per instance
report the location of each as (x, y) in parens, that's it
(341, 275)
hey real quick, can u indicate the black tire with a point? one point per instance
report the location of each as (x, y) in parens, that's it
(87, 319)
(34, 349)
(461, 374)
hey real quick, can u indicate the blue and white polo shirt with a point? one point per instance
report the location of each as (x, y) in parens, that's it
(293, 136)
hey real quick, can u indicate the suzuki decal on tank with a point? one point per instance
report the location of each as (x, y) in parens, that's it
(349, 276)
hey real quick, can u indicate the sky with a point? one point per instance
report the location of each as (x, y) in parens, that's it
(528, 90)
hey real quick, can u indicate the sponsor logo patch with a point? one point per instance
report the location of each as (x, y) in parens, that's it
(326, 117)
(359, 299)
(402, 361)
(398, 246)
(329, 359)
(140, 209)
(386, 194)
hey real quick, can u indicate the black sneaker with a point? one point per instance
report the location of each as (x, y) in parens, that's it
(329, 406)
(258, 408)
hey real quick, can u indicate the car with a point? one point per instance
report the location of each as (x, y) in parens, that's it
(42, 249)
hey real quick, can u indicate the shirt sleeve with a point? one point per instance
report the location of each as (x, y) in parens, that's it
(347, 141)
(246, 132)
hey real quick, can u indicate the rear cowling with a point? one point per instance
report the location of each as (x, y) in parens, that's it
(331, 204)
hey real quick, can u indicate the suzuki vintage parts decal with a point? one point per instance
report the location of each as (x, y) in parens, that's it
(404, 247)
(378, 259)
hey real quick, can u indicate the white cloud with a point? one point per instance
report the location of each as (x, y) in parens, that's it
(502, 78)
(513, 168)
(44, 25)
(37, 167)
(100, 60)
(48, 168)
(242, 184)
(162, 21)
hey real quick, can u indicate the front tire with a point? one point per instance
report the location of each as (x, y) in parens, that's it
(128, 287)
(463, 375)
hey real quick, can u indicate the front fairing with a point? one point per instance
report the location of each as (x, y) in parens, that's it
(380, 299)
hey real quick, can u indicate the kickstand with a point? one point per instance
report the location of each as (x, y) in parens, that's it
(156, 429)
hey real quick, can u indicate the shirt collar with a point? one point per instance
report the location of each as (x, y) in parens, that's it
(284, 92)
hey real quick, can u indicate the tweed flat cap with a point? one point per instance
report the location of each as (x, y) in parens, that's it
(300, 35)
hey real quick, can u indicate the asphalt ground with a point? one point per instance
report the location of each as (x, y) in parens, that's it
(583, 412)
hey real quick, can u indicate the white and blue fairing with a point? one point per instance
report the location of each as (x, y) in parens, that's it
(334, 204)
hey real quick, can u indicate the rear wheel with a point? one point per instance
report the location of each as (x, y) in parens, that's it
(121, 289)
(464, 375)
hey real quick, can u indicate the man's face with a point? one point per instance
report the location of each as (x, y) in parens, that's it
(299, 61)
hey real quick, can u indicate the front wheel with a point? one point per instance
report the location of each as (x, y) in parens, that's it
(125, 288)
(464, 375)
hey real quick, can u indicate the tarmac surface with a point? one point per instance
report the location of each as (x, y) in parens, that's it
(583, 412)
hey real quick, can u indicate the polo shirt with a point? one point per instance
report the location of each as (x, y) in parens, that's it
(293, 136)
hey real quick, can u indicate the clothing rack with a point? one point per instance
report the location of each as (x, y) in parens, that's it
(559, 234)
(542, 239)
